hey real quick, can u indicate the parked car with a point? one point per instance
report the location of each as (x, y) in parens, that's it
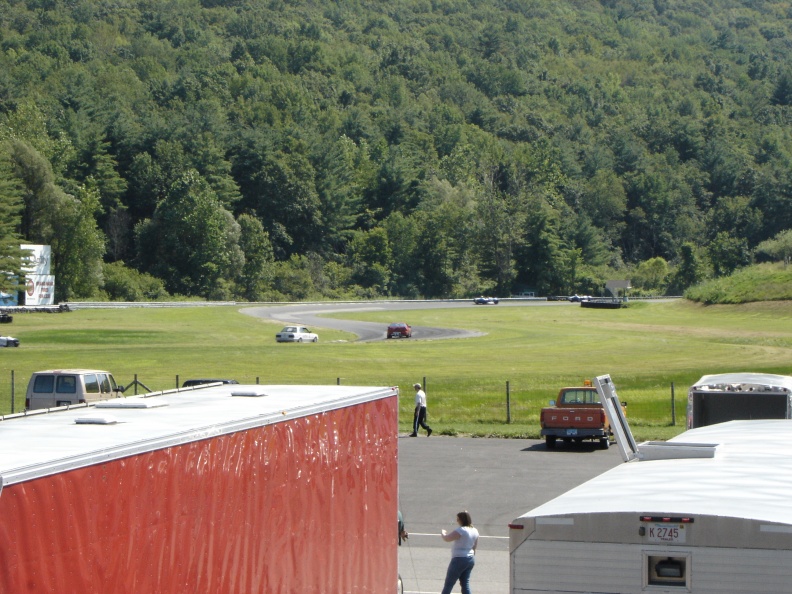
(59, 387)
(296, 334)
(200, 382)
(579, 298)
(399, 330)
(9, 341)
(485, 300)
(6, 318)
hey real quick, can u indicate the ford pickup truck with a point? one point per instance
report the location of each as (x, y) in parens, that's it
(574, 416)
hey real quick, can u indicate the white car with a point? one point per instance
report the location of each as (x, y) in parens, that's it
(9, 341)
(296, 334)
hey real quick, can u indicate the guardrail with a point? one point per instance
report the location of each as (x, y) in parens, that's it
(75, 305)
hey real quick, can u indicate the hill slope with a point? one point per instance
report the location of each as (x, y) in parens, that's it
(404, 147)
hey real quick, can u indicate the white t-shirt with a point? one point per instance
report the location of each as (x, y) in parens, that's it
(463, 546)
(420, 398)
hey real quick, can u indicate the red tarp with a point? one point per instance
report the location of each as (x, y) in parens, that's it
(304, 506)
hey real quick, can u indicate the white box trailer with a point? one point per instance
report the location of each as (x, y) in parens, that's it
(707, 512)
(739, 396)
(228, 489)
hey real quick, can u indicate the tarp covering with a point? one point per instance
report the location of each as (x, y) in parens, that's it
(306, 505)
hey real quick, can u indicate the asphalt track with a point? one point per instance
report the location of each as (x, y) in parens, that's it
(313, 316)
(496, 480)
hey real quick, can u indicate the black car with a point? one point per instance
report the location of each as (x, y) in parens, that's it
(486, 300)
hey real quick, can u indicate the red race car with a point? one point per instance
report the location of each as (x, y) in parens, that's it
(399, 330)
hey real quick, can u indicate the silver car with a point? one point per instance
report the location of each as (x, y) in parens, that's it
(296, 334)
(9, 341)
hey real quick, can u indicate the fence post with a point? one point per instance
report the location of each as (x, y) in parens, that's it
(508, 403)
(338, 381)
(673, 406)
(257, 380)
(136, 384)
(177, 381)
(12, 392)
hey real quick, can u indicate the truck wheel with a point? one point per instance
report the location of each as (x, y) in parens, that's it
(550, 441)
(605, 443)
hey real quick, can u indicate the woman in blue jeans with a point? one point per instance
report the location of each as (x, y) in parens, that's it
(465, 539)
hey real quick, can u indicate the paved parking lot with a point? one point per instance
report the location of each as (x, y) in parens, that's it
(496, 480)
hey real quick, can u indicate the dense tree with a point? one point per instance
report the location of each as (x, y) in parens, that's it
(121, 283)
(689, 271)
(189, 242)
(479, 146)
(40, 193)
(10, 219)
(727, 253)
(256, 275)
(778, 248)
(77, 245)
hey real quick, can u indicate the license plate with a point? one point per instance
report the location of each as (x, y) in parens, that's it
(396, 334)
(666, 532)
(571, 431)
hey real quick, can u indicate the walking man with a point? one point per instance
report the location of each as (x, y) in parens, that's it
(420, 412)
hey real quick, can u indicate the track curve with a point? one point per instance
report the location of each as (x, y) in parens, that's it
(312, 314)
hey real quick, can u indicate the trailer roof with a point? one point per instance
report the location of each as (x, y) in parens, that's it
(745, 382)
(43, 443)
(749, 477)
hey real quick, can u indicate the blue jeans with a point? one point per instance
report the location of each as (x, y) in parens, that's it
(459, 569)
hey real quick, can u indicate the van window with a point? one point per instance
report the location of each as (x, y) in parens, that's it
(44, 384)
(105, 382)
(91, 384)
(67, 384)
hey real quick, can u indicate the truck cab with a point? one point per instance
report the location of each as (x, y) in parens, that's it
(576, 414)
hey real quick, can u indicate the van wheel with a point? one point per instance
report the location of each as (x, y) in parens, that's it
(550, 441)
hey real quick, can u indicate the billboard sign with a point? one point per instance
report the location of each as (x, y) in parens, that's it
(38, 260)
(40, 289)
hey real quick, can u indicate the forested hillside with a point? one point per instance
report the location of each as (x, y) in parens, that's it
(291, 149)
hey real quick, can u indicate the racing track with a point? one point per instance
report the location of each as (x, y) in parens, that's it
(314, 315)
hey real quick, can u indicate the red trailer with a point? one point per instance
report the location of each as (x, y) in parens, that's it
(226, 489)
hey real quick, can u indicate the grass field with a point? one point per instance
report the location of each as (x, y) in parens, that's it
(646, 348)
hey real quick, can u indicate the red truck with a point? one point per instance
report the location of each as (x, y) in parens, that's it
(576, 415)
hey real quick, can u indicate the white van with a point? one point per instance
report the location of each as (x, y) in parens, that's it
(59, 387)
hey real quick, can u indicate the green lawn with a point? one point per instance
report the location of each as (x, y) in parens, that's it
(646, 348)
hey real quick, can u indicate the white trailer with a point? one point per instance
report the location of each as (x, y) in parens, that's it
(707, 512)
(738, 396)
